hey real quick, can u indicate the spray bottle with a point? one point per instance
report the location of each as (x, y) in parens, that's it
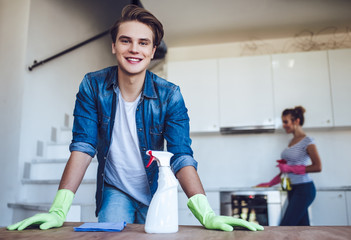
(285, 182)
(162, 216)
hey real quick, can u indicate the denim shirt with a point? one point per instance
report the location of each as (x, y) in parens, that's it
(160, 115)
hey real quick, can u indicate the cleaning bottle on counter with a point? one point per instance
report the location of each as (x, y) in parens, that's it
(162, 216)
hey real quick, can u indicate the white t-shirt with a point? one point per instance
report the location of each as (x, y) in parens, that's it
(124, 166)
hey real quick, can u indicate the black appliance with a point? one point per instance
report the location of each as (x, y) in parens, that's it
(250, 207)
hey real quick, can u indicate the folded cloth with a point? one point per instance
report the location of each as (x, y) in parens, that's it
(101, 227)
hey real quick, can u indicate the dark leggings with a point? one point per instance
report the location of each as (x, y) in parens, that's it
(300, 198)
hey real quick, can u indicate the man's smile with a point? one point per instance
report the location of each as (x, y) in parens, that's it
(131, 59)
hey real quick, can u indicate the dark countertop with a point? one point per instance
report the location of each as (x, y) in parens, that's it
(136, 231)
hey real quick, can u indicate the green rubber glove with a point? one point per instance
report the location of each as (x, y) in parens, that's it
(56, 216)
(199, 206)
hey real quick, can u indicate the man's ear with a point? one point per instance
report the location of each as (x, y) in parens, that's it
(113, 48)
(153, 52)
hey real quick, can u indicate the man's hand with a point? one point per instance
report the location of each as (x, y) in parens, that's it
(201, 209)
(46, 221)
(226, 223)
(56, 216)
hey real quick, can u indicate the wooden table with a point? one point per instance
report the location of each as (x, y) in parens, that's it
(136, 231)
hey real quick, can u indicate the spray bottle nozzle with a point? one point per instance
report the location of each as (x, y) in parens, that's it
(162, 158)
(152, 158)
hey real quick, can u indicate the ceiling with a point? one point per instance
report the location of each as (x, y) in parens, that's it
(199, 22)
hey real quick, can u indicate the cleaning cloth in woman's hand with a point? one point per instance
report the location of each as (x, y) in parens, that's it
(101, 227)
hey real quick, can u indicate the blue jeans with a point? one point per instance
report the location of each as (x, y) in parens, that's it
(300, 198)
(120, 207)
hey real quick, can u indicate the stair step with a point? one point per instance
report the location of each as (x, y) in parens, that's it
(57, 151)
(41, 207)
(25, 210)
(45, 191)
(64, 135)
(52, 169)
(52, 160)
(53, 181)
(55, 160)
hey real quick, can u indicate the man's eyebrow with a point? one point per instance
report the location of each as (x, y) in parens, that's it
(140, 39)
(145, 39)
(123, 36)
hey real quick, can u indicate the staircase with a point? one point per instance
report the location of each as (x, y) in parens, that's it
(41, 177)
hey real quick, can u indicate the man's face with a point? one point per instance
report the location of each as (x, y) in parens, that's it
(134, 47)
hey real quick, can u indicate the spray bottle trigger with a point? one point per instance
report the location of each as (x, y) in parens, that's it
(152, 158)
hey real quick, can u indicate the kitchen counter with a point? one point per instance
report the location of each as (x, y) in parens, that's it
(136, 231)
(274, 188)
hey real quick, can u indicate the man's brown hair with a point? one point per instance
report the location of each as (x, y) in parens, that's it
(134, 13)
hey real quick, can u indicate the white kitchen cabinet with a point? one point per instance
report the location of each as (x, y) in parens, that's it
(246, 92)
(199, 86)
(329, 208)
(348, 206)
(303, 79)
(340, 77)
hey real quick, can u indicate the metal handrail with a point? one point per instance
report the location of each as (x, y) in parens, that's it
(38, 63)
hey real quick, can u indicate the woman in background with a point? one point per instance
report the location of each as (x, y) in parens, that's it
(295, 160)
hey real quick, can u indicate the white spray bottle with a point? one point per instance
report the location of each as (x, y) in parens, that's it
(162, 216)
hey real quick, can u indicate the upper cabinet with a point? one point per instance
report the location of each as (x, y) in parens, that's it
(246, 92)
(340, 78)
(303, 79)
(199, 86)
(250, 93)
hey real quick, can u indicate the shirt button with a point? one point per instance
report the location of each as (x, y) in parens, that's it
(144, 149)
(140, 129)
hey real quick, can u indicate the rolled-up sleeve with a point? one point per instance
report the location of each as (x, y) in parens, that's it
(83, 147)
(183, 161)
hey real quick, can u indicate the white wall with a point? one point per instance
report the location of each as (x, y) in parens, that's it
(13, 27)
(34, 102)
(244, 160)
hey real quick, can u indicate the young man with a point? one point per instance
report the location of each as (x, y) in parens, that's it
(120, 113)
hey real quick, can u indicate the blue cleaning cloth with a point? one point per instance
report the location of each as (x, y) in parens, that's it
(101, 227)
